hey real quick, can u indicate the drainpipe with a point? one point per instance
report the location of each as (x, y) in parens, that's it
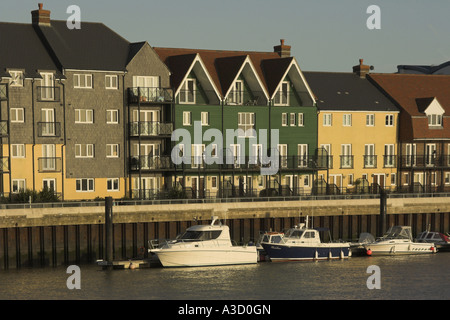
(34, 132)
(64, 141)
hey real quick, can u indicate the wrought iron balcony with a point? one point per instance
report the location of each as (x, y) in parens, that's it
(346, 162)
(49, 164)
(389, 161)
(49, 129)
(48, 94)
(150, 128)
(370, 161)
(425, 161)
(150, 95)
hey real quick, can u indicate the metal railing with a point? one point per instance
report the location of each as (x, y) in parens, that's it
(424, 161)
(246, 98)
(48, 94)
(49, 164)
(150, 128)
(346, 162)
(4, 128)
(3, 92)
(149, 95)
(389, 161)
(370, 161)
(49, 129)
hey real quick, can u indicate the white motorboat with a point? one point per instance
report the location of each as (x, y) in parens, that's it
(398, 240)
(440, 240)
(204, 245)
(302, 243)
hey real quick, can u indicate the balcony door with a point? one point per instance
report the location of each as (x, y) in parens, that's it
(147, 154)
(302, 155)
(369, 156)
(148, 86)
(430, 154)
(147, 187)
(148, 120)
(48, 157)
(47, 86)
(48, 122)
(282, 149)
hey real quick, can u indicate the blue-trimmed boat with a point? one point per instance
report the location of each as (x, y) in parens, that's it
(302, 243)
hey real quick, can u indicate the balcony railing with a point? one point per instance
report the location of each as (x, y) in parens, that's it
(370, 161)
(4, 128)
(3, 92)
(4, 164)
(425, 161)
(150, 128)
(150, 95)
(346, 162)
(49, 129)
(246, 98)
(49, 164)
(389, 161)
(48, 94)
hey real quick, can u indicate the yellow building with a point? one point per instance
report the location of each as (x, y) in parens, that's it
(357, 131)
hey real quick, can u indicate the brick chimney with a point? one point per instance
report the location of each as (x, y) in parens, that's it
(361, 69)
(283, 50)
(40, 17)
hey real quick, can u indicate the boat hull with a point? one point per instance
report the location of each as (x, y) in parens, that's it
(206, 256)
(282, 252)
(399, 248)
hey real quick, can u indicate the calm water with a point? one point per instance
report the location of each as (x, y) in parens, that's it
(421, 277)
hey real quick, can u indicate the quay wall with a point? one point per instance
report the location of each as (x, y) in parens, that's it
(54, 236)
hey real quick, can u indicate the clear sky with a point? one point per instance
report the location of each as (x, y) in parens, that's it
(325, 35)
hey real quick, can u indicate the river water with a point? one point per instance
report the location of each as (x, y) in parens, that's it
(423, 277)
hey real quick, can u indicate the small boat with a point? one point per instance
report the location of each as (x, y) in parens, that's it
(398, 240)
(440, 240)
(357, 248)
(302, 243)
(204, 245)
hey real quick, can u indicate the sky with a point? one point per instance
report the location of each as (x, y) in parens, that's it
(325, 35)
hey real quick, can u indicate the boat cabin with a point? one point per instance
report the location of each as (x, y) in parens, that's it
(428, 236)
(293, 235)
(398, 232)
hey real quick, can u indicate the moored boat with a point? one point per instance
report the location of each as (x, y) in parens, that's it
(302, 243)
(204, 245)
(398, 240)
(440, 240)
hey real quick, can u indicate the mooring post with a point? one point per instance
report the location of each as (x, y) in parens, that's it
(109, 229)
(383, 204)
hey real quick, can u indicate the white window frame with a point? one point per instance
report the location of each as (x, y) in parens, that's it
(302, 152)
(16, 78)
(19, 115)
(84, 150)
(18, 185)
(112, 116)
(214, 182)
(282, 94)
(236, 95)
(292, 119)
(185, 89)
(351, 179)
(113, 184)
(187, 118)
(90, 185)
(369, 153)
(327, 119)
(434, 120)
(87, 114)
(393, 179)
(284, 119)
(17, 150)
(83, 81)
(300, 119)
(112, 150)
(204, 118)
(370, 120)
(246, 122)
(389, 120)
(111, 82)
(347, 120)
(49, 182)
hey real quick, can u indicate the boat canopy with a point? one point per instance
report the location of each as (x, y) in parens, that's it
(398, 232)
(195, 235)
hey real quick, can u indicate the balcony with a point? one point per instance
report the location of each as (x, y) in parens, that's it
(3, 128)
(246, 98)
(389, 161)
(150, 128)
(425, 161)
(370, 161)
(49, 164)
(48, 94)
(3, 92)
(346, 162)
(150, 95)
(49, 129)
(4, 164)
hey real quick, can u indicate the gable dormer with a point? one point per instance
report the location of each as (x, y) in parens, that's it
(433, 110)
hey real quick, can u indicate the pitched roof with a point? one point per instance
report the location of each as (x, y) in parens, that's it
(411, 91)
(346, 91)
(21, 48)
(93, 47)
(221, 65)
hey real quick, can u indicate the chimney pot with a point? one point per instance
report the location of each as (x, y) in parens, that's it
(40, 6)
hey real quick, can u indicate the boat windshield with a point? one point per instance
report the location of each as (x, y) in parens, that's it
(398, 232)
(200, 235)
(294, 233)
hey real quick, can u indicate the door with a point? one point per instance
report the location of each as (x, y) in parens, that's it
(48, 122)
(379, 179)
(369, 156)
(50, 184)
(302, 155)
(410, 151)
(48, 157)
(346, 156)
(198, 154)
(148, 86)
(282, 149)
(148, 155)
(236, 154)
(147, 187)
(148, 121)
(430, 156)
(47, 87)
(389, 155)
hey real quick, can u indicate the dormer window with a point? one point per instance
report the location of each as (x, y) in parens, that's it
(187, 92)
(16, 79)
(435, 120)
(236, 95)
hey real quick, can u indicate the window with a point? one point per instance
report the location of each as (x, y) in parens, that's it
(17, 115)
(82, 81)
(84, 151)
(84, 116)
(347, 120)
(47, 87)
(112, 150)
(284, 119)
(112, 184)
(306, 180)
(389, 157)
(236, 95)
(393, 179)
(112, 116)
(246, 122)
(406, 179)
(111, 82)
(18, 150)
(300, 120)
(410, 159)
(302, 150)
(389, 120)
(435, 120)
(205, 118)
(16, 79)
(186, 118)
(370, 120)
(214, 182)
(282, 94)
(369, 156)
(292, 119)
(327, 119)
(187, 92)
(49, 184)
(350, 179)
(447, 178)
(85, 185)
(18, 185)
(346, 156)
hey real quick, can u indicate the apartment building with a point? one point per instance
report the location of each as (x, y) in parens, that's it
(357, 128)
